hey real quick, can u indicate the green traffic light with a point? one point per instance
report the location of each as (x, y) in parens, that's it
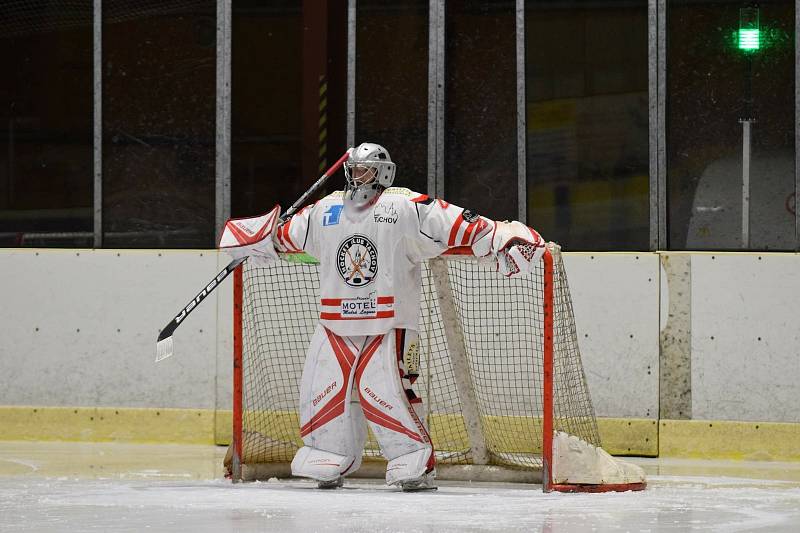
(749, 40)
(749, 30)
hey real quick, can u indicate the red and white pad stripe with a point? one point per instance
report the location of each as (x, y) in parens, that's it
(335, 406)
(375, 414)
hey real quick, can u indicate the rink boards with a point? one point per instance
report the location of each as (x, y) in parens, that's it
(80, 328)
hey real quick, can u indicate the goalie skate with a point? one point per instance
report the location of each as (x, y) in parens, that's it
(424, 482)
(333, 484)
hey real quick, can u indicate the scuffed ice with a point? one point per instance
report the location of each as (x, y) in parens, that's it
(76, 487)
(671, 503)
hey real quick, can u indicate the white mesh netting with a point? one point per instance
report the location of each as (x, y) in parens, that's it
(502, 324)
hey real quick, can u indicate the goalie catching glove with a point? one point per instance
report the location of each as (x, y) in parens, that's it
(516, 247)
(251, 237)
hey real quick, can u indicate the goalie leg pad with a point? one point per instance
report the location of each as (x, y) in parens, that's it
(319, 464)
(409, 467)
(330, 417)
(358, 431)
(385, 402)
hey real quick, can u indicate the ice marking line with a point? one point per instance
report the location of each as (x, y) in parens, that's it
(32, 466)
(156, 473)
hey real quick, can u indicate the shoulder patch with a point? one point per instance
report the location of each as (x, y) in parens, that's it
(470, 216)
(331, 215)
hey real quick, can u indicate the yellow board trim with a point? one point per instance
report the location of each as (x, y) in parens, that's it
(107, 424)
(205, 426)
(619, 436)
(629, 436)
(713, 439)
(707, 439)
(223, 427)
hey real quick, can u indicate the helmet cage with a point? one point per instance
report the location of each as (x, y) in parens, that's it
(381, 172)
(360, 173)
(372, 160)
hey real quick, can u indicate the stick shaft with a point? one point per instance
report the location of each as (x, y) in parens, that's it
(194, 302)
(214, 283)
(313, 189)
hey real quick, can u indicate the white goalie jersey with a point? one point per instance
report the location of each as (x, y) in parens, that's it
(370, 259)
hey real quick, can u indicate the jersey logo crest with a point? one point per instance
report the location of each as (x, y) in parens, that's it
(357, 261)
(332, 215)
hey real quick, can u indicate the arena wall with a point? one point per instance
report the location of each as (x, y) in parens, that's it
(691, 354)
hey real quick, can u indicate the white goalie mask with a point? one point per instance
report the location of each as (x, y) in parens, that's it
(368, 171)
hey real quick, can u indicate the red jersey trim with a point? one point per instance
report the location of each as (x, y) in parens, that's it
(454, 230)
(288, 238)
(338, 301)
(466, 238)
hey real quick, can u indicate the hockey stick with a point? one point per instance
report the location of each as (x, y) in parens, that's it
(164, 346)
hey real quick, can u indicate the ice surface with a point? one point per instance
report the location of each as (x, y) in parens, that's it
(88, 493)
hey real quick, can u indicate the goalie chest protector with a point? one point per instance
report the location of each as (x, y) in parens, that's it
(370, 261)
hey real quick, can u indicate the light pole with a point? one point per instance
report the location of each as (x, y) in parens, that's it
(749, 42)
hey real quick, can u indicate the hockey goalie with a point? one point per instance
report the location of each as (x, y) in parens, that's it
(370, 240)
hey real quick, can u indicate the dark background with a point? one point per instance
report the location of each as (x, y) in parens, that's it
(587, 112)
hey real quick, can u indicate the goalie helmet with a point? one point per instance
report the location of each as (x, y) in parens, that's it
(368, 171)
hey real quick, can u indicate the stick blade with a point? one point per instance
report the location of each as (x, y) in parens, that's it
(163, 349)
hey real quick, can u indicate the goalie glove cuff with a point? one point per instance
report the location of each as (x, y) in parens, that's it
(516, 247)
(519, 259)
(251, 237)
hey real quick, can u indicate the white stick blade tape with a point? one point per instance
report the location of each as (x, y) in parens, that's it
(163, 349)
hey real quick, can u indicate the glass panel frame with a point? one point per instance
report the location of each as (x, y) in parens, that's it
(159, 124)
(480, 108)
(46, 183)
(731, 145)
(438, 154)
(588, 123)
(391, 105)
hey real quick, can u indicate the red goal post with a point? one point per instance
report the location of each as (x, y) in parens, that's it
(488, 339)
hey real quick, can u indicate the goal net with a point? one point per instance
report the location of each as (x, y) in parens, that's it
(500, 374)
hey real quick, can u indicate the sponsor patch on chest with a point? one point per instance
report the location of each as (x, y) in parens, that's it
(366, 307)
(332, 215)
(359, 306)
